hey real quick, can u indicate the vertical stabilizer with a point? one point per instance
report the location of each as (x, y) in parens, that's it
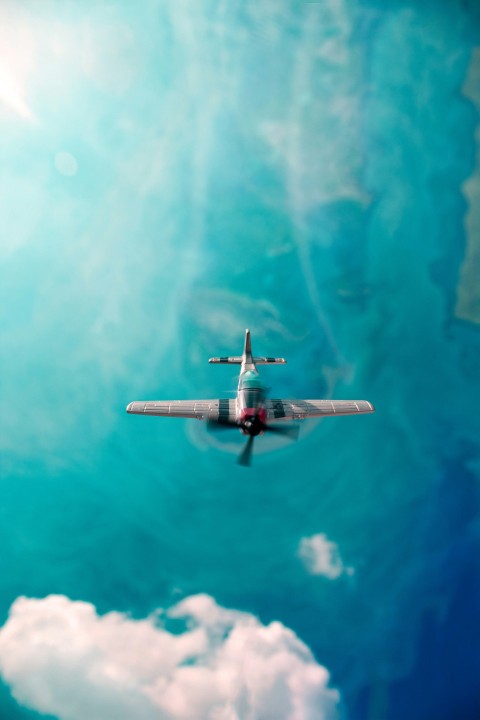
(247, 348)
(248, 362)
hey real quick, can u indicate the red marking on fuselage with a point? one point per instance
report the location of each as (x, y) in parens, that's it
(251, 413)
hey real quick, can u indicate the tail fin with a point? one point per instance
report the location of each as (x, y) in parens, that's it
(247, 356)
(247, 348)
(237, 359)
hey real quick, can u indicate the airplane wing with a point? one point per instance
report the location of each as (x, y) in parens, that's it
(200, 409)
(301, 409)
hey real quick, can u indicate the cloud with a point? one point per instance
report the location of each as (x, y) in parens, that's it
(322, 557)
(197, 660)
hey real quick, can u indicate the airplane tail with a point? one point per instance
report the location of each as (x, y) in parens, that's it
(247, 356)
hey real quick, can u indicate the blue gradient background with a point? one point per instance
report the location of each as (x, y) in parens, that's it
(299, 169)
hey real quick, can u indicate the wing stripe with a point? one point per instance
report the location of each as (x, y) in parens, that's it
(278, 409)
(223, 410)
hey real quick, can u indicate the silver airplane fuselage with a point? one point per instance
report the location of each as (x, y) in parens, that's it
(251, 408)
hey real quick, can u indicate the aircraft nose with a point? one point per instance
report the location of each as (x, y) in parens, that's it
(129, 407)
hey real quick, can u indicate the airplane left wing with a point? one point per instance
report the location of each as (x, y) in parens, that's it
(301, 409)
(200, 409)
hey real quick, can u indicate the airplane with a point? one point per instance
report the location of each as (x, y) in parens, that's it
(251, 411)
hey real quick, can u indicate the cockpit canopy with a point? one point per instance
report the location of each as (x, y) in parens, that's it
(251, 381)
(254, 390)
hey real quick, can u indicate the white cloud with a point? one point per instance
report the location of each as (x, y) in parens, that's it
(60, 657)
(322, 557)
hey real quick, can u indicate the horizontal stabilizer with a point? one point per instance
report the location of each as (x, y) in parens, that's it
(269, 361)
(234, 360)
(237, 360)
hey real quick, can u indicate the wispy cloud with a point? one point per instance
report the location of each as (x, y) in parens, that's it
(61, 658)
(322, 557)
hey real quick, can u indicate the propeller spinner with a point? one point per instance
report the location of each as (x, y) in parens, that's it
(252, 426)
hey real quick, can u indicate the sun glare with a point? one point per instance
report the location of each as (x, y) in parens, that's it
(11, 95)
(16, 63)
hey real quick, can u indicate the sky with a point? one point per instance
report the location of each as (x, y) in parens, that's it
(171, 173)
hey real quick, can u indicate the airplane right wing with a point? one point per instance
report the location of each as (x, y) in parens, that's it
(301, 409)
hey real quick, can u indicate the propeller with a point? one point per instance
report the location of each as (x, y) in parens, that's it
(219, 425)
(245, 457)
(254, 427)
(290, 431)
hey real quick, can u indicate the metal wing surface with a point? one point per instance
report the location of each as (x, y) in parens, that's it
(199, 409)
(301, 409)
